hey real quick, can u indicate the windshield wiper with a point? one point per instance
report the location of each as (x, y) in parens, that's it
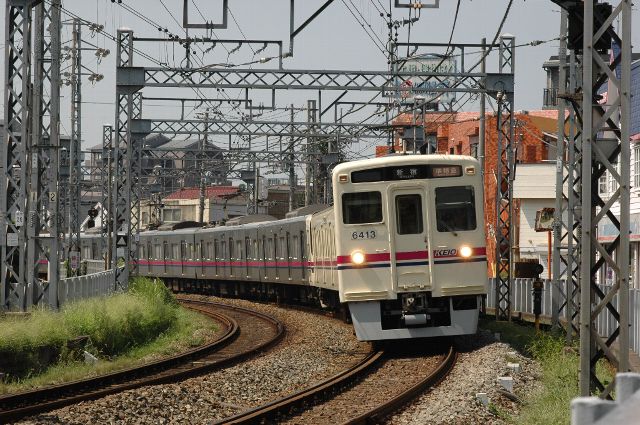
(449, 228)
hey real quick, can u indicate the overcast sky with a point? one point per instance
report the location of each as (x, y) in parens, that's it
(335, 40)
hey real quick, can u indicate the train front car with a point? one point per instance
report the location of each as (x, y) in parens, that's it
(411, 246)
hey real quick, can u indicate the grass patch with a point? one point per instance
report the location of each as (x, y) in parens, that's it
(124, 330)
(559, 381)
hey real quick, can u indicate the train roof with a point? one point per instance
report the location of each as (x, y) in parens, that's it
(398, 160)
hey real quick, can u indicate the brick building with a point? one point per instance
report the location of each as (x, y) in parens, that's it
(458, 134)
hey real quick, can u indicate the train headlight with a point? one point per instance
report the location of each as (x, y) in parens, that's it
(357, 257)
(465, 251)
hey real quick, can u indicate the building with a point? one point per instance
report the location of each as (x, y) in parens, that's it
(169, 164)
(278, 200)
(534, 189)
(221, 203)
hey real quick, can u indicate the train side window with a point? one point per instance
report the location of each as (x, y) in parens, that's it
(455, 208)
(303, 255)
(295, 248)
(270, 250)
(175, 251)
(409, 214)
(158, 252)
(362, 207)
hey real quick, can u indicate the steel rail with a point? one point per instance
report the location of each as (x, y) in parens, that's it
(192, 362)
(321, 390)
(376, 415)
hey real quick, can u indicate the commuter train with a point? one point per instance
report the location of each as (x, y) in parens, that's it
(402, 249)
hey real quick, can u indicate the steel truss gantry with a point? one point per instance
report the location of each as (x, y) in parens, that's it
(259, 128)
(504, 95)
(603, 141)
(132, 128)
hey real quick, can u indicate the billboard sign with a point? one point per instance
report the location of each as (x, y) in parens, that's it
(424, 86)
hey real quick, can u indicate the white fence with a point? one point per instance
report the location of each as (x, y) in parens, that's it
(89, 285)
(553, 298)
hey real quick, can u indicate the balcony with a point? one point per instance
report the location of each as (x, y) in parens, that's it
(550, 98)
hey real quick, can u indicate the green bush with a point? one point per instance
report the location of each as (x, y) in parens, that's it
(113, 325)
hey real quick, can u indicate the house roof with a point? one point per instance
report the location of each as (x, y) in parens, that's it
(210, 192)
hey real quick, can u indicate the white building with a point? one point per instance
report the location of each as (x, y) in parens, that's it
(534, 188)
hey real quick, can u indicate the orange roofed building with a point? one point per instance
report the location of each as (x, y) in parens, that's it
(457, 133)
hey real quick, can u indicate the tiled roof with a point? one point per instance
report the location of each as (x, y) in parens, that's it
(210, 192)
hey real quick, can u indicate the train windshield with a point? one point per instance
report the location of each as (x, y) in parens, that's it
(362, 207)
(409, 214)
(455, 208)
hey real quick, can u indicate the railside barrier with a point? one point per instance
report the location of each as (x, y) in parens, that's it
(87, 286)
(522, 306)
(623, 411)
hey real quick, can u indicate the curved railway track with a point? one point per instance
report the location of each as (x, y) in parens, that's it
(365, 393)
(244, 334)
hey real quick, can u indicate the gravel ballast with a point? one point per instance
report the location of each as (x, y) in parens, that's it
(481, 361)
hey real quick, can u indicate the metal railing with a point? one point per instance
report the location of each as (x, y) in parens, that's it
(553, 297)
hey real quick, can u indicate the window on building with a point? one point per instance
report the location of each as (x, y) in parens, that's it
(602, 184)
(171, 215)
(636, 166)
(145, 218)
(613, 184)
(473, 146)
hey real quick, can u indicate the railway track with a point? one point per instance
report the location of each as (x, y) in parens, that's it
(245, 333)
(378, 385)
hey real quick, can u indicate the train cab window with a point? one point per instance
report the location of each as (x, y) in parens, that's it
(455, 208)
(409, 214)
(362, 207)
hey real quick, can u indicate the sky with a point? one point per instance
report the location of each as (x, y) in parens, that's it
(335, 40)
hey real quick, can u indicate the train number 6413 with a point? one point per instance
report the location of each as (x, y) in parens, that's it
(369, 234)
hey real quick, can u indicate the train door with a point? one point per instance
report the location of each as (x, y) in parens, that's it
(410, 244)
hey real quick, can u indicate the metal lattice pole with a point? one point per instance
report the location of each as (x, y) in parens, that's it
(13, 162)
(42, 223)
(73, 254)
(120, 248)
(106, 176)
(605, 141)
(135, 178)
(504, 188)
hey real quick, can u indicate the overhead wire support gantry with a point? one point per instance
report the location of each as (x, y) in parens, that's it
(602, 142)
